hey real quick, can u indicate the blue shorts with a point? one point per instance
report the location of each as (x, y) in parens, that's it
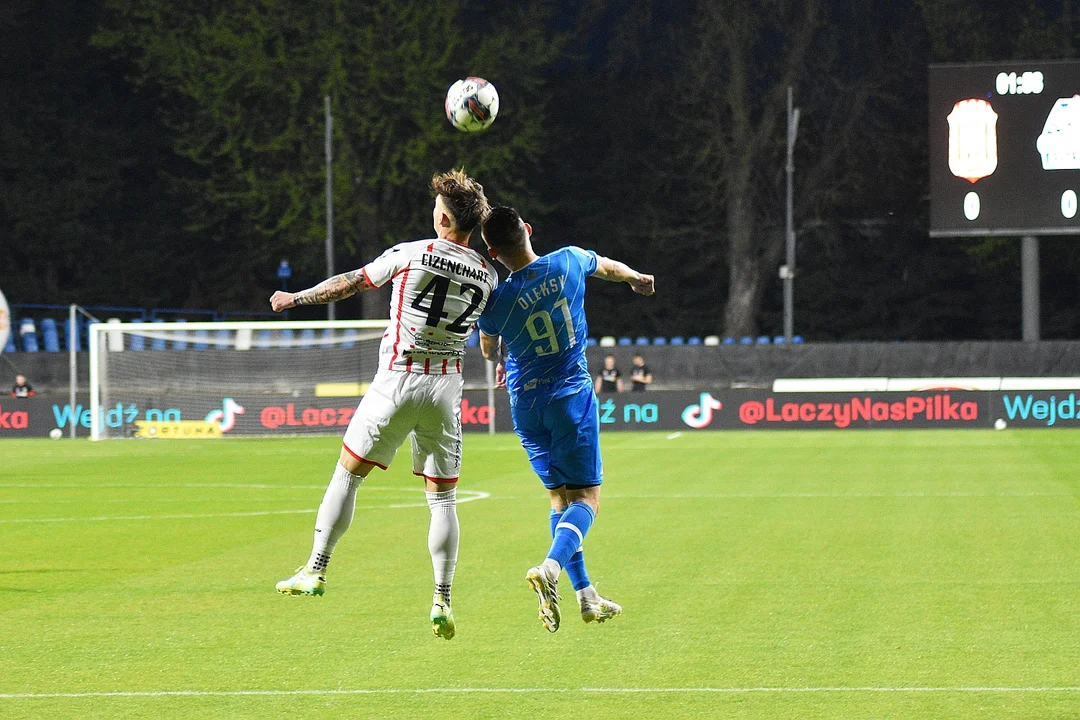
(562, 440)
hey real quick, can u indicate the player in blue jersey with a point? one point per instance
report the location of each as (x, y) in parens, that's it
(539, 314)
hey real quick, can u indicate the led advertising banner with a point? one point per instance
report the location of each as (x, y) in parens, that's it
(1004, 149)
(262, 416)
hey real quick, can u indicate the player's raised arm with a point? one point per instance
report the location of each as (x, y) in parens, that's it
(615, 271)
(331, 290)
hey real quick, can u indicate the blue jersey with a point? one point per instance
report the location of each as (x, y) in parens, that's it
(540, 313)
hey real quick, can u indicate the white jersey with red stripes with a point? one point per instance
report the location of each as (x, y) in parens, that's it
(439, 290)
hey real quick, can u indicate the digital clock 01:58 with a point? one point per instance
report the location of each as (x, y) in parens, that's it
(1029, 83)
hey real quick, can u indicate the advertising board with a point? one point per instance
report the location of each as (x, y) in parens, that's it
(269, 415)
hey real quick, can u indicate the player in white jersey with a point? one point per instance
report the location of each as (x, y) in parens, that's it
(439, 288)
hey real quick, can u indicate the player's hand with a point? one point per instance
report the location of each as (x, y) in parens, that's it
(643, 285)
(281, 301)
(500, 375)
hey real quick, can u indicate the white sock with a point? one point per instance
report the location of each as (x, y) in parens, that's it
(443, 539)
(335, 516)
(554, 569)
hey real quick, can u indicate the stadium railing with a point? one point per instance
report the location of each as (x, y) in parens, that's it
(40, 332)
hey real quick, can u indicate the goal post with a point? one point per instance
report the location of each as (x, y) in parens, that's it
(162, 378)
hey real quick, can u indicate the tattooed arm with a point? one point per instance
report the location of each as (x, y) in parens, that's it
(338, 287)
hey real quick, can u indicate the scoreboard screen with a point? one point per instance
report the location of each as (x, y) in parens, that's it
(1005, 149)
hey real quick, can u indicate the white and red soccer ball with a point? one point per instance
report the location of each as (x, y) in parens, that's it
(472, 104)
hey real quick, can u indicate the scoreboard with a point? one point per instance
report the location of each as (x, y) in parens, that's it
(1005, 149)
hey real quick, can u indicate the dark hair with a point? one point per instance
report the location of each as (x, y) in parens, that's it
(503, 230)
(463, 196)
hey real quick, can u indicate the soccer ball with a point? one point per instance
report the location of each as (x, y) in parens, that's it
(56, 433)
(472, 104)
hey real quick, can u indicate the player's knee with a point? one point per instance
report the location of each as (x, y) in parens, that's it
(356, 467)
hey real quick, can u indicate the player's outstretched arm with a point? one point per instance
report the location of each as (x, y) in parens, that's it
(336, 288)
(615, 271)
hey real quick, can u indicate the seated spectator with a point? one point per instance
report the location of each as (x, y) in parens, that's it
(22, 389)
(609, 380)
(640, 375)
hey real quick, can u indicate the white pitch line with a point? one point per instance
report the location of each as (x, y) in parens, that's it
(674, 435)
(470, 495)
(530, 690)
(252, 486)
(768, 496)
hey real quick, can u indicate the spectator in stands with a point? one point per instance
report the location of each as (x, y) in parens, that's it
(21, 388)
(640, 375)
(609, 380)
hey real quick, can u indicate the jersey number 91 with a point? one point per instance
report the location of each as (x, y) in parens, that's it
(542, 330)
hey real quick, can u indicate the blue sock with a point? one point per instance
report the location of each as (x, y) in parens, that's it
(575, 568)
(570, 532)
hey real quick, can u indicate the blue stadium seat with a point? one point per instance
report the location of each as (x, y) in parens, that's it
(797, 340)
(763, 340)
(728, 341)
(307, 338)
(678, 340)
(157, 343)
(50, 337)
(746, 340)
(202, 340)
(591, 342)
(778, 340)
(327, 338)
(350, 335)
(286, 337)
(625, 341)
(137, 342)
(641, 341)
(693, 341)
(262, 340)
(71, 335)
(181, 344)
(10, 346)
(659, 341)
(224, 338)
(28, 333)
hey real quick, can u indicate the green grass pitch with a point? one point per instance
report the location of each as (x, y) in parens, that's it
(801, 575)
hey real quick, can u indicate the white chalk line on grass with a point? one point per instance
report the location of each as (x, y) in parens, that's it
(770, 496)
(464, 496)
(536, 690)
(166, 486)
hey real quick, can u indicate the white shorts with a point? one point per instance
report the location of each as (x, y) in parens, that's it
(426, 408)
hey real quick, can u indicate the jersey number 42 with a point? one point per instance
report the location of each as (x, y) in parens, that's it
(437, 290)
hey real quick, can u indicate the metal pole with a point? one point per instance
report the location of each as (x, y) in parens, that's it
(490, 371)
(789, 226)
(73, 374)
(330, 312)
(1029, 288)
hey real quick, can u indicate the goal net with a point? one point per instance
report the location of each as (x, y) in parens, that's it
(203, 379)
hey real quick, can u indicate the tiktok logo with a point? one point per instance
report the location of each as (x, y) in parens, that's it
(699, 416)
(226, 417)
